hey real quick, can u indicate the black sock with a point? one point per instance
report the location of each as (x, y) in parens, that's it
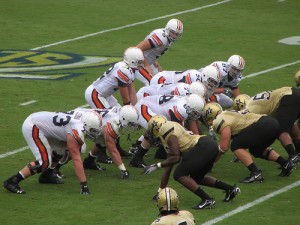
(222, 185)
(290, 149)
(297, 146)
(252, 167)
(281, 161)
(202, 194)
(141, 152)
(19, 177)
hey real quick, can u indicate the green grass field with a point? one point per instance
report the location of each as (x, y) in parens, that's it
(62, 32)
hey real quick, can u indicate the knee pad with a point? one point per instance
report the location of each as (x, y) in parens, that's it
(36, 168)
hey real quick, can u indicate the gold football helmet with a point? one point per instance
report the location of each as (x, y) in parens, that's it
(155, 123)
(297, 78)
(210, 112)
(240, 101)
(167, 200)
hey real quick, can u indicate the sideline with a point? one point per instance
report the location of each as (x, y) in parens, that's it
(251, 204)
(131, 25)
(249, 76)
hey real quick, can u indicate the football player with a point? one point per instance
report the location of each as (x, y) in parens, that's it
(155, 45)
(175, 108)
(99, 95)
(195, 155)
(231, 75)
(169, 213)
(115, 121)
(246, 131)
(284, 105)
(49, 134)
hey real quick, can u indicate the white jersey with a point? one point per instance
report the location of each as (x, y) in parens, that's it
(171, 77)
(174, 108)
(110, 119)
(114, 78)
(181, 89)
(226, 80)
(57, 125)
(45, 132)
(159, 42)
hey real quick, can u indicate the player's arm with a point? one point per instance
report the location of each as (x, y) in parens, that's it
(225, 139)
(192, 126)
(111, 147)
(124, 92)
(132, 94)
(236, 91)
(144, 46)
(74, 149)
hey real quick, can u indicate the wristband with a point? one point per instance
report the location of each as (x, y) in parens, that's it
(222, 151)
(159, 165)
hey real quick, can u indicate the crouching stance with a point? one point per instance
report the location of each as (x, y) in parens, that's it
(49, 135)
(196, 155)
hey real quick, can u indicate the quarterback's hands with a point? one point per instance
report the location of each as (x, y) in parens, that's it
(84, 189)
(125, 174)
(228, 92)
(149, 169)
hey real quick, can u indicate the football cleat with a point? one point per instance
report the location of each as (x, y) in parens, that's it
(295, 158)
(133, 150)
(137, 162)
(12, 185)
(92, 165)
(49, 177)
(288, 168)
(232, 193)
(205, 204)
(104, 159)
(254, 177)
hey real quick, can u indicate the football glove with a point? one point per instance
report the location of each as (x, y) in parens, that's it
(125, 174)
(228, 92)
(149, 169)
(212, 134)
(84, 189)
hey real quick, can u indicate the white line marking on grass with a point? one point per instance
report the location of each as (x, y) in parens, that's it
(13, 152)
(251, 204)
(249, 76)
(130, 25)
(28, 103)
(272, 69)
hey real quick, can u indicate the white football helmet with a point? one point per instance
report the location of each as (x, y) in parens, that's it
(133, 57)
(192, 76)
(174, 29)
(195, 105)
(92, 122)
(181, 89)
(167, 200)
(129, 117)
(210, 77)
(235, 66)
(199, 89)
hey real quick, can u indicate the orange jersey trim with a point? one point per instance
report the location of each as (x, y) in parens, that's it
(145, 113)
(177, 114)
(111, 131)
(145, 74)
(41, 146)
(157, 40)
(123, 76)
(96, 100)
(77, 137)
(161, 80)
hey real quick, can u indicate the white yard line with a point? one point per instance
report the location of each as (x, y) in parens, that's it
(251, 204)
(28, 103)
(131, 25)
